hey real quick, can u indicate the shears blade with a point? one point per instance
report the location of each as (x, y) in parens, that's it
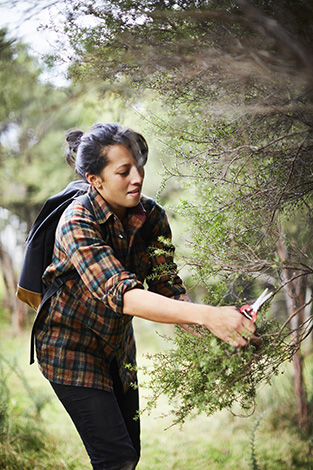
(260, 300)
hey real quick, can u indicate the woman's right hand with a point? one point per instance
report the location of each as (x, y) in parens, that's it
(229, 325)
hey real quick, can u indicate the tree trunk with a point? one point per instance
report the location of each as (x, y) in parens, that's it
(295, 295)
(18, 309)
(304, 419)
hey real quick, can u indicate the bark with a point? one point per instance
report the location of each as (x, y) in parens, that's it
(308, 313)
(295, 287)
(18, 309)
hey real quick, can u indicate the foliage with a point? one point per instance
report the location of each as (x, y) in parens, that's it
(248, 198)
(208, 375)
(188, 42)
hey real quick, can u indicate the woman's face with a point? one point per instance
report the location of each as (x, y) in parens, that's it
(120, 182)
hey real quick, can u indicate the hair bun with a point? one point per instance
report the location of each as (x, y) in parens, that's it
(73, 139)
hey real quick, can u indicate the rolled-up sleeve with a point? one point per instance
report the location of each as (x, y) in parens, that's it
(115, 288)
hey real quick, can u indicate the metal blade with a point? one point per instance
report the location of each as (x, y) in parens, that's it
(260, 300)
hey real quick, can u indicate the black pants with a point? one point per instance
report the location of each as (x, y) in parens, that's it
(105, 422)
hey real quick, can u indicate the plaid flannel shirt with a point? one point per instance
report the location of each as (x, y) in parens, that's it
(84, 327)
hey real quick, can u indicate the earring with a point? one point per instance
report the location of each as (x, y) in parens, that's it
(98, 184)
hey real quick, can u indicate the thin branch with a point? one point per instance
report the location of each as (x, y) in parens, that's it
(294, 314)
(291, 171)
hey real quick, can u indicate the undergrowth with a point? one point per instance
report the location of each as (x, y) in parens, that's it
(207, 375)
(24, 441)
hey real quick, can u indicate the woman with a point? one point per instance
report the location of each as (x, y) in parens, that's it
(86, 341)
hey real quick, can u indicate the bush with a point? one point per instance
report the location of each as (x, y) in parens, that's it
(208, 375)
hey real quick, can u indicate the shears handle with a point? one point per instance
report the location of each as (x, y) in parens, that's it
(247, 311)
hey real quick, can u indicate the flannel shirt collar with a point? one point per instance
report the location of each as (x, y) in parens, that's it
(136, 215)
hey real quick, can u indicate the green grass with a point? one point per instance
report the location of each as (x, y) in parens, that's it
(46, 441)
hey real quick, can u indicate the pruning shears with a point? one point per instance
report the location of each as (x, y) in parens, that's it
(250, 311)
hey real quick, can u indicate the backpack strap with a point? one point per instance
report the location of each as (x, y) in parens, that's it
(84, 199)
(50, 291)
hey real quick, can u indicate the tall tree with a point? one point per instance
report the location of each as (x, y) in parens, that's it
(238, 76)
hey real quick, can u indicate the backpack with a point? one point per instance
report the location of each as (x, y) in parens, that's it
(39, 247)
